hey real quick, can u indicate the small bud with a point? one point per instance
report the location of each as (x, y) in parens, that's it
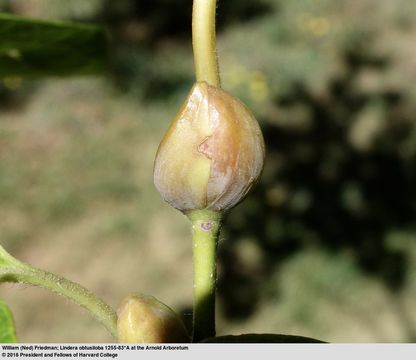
(143, 319)
(211, 155)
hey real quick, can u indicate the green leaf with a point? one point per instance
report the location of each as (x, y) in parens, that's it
(7, 331)
(34, 48)
(261, 338)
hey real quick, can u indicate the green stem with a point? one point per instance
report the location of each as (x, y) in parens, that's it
(205, 229)
(12, 270)
(204, 42)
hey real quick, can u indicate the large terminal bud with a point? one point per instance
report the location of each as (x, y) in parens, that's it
(212, 153)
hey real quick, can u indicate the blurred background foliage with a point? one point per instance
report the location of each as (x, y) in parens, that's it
(324, 247)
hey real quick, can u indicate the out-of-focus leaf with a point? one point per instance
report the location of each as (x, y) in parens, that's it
(7, 331)
(261, 338)
(32, 47)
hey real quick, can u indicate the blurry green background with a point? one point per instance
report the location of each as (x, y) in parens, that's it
(324, 247)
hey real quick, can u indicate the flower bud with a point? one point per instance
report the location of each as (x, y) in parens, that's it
(212, 154)
(143, 319)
